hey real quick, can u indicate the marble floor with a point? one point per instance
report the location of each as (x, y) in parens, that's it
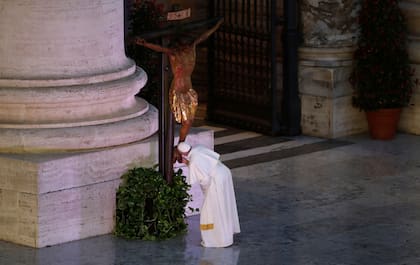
(301, 201)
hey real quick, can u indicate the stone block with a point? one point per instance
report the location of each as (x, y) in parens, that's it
(48, 199)
(330, 118)
(76, 213)
(327, 110)
(9, 200)
(327, 82)
(9, 227)
(410, 116)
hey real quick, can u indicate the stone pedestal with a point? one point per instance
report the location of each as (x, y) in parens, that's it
(325, 64)
(55, 198)
(410, 117)
(326, 93)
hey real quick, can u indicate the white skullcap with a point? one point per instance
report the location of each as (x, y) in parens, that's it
(183, 147)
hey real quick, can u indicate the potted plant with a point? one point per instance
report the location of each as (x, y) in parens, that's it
(382, 75)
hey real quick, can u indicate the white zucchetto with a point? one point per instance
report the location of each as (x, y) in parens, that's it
(183, 147)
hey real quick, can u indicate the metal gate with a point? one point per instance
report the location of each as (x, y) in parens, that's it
(246, 84)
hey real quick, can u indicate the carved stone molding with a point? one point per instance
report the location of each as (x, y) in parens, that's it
(65, 80)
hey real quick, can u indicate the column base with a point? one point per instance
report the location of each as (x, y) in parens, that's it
(74, 139)
(47, 199)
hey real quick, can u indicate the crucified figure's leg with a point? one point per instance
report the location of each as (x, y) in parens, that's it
(183, 132)
(185, 128)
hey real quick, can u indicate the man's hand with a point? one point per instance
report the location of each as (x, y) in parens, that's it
(176, 156)
(185, 161)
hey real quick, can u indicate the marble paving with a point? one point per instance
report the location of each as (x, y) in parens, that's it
(301, 201)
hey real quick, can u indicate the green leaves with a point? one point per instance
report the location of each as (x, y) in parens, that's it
(148, 208)
(382, 74)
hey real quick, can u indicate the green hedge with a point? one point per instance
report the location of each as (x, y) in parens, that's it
(150, 209)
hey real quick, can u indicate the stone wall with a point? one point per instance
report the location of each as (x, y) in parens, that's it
(410, 118)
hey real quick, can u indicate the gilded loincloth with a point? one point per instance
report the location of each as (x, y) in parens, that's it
(183, 105)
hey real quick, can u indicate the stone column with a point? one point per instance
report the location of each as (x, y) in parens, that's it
(410, 117)
(325, 63)
(70, 124)
(65, 81)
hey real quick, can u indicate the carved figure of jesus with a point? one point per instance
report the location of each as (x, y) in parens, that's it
(183, 99)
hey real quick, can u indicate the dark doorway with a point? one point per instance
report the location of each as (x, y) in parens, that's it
(253, 66)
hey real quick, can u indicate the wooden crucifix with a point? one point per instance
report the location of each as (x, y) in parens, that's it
(179, 101)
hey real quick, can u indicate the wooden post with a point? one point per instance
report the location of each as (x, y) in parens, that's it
(166, 124)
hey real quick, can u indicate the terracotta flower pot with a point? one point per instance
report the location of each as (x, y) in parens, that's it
(383, 123)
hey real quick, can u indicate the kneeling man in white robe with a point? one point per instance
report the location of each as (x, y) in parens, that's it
(219, 216)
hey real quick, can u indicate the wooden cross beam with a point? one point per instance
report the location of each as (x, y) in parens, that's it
(173, 29)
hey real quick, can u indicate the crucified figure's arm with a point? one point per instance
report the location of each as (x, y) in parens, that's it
(152, 46)
(207, 34)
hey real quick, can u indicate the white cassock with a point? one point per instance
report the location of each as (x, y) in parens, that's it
(219, 215)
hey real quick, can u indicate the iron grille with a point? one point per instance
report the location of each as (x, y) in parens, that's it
(243, 62)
